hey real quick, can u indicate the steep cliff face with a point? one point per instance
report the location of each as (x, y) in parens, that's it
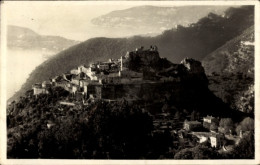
(139, 59)
(187, 94)
(195, 71)
(192, 65)
(150, 58)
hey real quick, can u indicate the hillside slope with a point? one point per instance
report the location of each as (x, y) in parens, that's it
(233, 57)
(195, 41)
(230, 71)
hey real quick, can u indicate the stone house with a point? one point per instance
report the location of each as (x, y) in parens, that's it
(83, 83)
(130, 74)
(39, 89)
(191, 125)
(46, 84)
(88, 88)
(208, 120)
(75, 80)
(74, 71)
(62, 83)
(216, 140)
(103, 66)
(74, 89)
(112, 78)
(82, 68)
(92, 65)
(56, 79)
(91, 73)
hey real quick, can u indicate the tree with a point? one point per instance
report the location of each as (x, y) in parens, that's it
(227, 124)
(214, 127)
(198, 152)
(184, 154)
(246, 125)
(121, 129)
(238, 129)
(246, 147)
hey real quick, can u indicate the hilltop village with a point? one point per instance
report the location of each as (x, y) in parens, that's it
(162, 91)
(100, 80)
(115, 79)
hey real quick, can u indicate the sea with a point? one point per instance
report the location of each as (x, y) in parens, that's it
(19, 64)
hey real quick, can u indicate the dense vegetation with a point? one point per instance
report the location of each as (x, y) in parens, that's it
(234, 89)
(41, 128)
(230, 71)
(195, 41)
(101, 131)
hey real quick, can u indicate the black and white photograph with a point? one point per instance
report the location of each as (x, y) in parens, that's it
(131, 81)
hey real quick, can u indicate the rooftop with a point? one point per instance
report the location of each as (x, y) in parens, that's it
(209, 117)
(192, 122)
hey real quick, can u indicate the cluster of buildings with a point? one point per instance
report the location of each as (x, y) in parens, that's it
(89, 80)
(188, 131)
(166, 121)
(217, 137)
(99, 79)
(194, 129)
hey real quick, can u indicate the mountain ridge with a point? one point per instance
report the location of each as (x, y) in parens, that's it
(25, 38)
(163, 17)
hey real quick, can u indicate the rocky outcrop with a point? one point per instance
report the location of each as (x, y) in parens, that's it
(140, 58)
(194, 71)
(193, 66)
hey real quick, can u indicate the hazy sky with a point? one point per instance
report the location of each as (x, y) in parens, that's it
(67, 19)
